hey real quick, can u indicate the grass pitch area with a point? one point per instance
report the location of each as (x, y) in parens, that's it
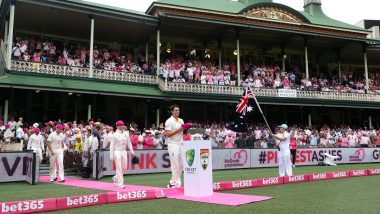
(350, 195)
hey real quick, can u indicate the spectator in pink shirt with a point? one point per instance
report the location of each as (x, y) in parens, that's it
(293, 146)
(148, 140)
(230, 140)
(343, 141)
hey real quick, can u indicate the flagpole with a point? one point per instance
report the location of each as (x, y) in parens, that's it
(262, 114)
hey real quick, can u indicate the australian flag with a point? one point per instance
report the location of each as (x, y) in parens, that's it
(244, 110)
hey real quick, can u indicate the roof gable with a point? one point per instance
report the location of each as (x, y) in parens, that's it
(266, 9)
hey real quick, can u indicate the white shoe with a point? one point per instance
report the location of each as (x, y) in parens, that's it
(114, 179)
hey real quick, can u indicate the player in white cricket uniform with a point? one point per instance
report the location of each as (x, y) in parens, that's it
(285, 164)
(56, 143)
(120, 142)
(174, 134)
(36, 143)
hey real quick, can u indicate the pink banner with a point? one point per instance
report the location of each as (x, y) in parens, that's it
(29, 206)
(269, 181)
(114, 197)
(320, 176)
(296, 179)
(231, 185)
(373, 171)
(81, 201)
(341, 174)
(360, 172)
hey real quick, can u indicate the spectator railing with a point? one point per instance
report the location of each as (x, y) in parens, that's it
(53, 69)
(265, 92)
(69, 71)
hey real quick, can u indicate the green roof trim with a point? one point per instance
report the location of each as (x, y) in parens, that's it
(320, 18)
(89, 86)
(237, 7)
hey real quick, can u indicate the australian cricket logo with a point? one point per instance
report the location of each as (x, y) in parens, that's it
(190, 156)
(204, 158)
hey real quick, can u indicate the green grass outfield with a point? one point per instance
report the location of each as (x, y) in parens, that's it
(352, 195)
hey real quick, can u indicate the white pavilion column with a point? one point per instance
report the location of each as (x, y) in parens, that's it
(238, 59)
(88, 112)
(92, 46)
(157, 118)
(146, 51)
(158, 52)
(10, 35)
(283, 57)
(306, 60)
(5, 116)
(365, 68)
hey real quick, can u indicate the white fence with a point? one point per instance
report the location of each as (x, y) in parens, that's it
(153, 161)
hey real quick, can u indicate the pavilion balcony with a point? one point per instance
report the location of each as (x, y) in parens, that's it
(188, 88)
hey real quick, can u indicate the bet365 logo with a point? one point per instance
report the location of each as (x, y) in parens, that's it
(190, 156)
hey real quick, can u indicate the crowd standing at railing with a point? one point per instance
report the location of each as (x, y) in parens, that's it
(180, 70)
(82, 139)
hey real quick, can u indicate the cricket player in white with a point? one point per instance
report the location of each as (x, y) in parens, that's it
(56, 143)
(174, 134)
(285, 164)
(36, 143)
(118, 152)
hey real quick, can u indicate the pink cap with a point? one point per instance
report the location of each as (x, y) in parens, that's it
(36, 130)
(1, 122)
(119, 123)
(7, 126)
(59, 126)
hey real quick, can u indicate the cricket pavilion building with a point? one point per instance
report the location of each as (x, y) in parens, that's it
(257, 31)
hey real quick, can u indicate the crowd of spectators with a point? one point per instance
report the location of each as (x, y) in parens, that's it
(178, 69)
(77, 55)
(264, 76)
(154, 137)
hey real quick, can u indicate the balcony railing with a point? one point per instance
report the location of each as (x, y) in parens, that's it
(68, 71)
(265, 92)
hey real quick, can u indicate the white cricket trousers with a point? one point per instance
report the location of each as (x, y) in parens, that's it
(38, 152)
(56, 163)
(121, 162)
(285, 164)
(176, 163)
